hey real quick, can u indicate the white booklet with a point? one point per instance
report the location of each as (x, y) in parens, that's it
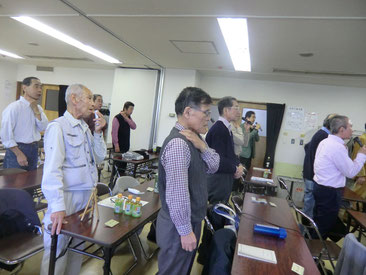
(257, 253)
(264, 180)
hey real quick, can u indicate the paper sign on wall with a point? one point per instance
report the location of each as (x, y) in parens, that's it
(295, 119)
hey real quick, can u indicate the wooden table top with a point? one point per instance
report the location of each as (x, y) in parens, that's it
(118, 157)
(290, 250)
(360, 217)
(350, 195)
(97, 232)
(24, 180)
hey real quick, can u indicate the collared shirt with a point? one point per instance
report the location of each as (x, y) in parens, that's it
(325, 130)
(175, 160)
(19, 124)
(76, 170)
(115, 126)
(226, 123)
(332, 164)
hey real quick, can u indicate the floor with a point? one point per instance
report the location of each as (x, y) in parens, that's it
(122, 258)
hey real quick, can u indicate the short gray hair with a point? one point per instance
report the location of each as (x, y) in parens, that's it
(337, 123)
(74, 89)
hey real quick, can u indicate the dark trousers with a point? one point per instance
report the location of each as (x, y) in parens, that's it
(29, 150)
(327, 204)
(219, 187)
(172, 259)
(247, 162)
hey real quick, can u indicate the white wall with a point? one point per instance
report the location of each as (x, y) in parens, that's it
(321, 99)
(98, 81)
(137, 86)
(175, 82)
(8, 84)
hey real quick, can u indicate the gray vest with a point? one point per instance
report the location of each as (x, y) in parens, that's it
(197, 182)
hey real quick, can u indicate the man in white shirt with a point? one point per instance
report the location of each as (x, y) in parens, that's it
(331, 167)
(70, 171)
(22, 122)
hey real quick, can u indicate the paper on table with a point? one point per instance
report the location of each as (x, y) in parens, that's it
(107, 202)
(269, 181)
(257, 253)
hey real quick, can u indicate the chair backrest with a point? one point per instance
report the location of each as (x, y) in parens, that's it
(237, 202)
(283, 186)
(103, 189)
(311, 227)
(352, 259)
(123, 183)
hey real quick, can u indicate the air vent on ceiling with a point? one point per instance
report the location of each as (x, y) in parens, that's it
(44, 69)
(196, 47)
(324, 73)
(59, 58)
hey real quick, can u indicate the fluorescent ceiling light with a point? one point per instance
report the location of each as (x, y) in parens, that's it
(13, 55)
(64, 38)
(235, 32)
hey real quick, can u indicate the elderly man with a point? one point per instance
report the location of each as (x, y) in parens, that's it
(70, 171)
(220, 138)
(308, 168)
(22, 122)
(184, 161)
(331, 167)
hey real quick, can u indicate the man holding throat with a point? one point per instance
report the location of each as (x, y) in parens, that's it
(22, 122)
(185, 159)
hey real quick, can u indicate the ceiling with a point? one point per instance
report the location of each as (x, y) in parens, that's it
(185, 35)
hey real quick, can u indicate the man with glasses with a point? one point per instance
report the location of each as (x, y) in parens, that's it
(248, 151)
(22, 122)
(220, 138)
(184, 161)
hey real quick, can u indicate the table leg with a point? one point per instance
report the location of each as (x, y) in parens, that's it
(134, 170)
(348, 222)
(51, 268)
(107, 260)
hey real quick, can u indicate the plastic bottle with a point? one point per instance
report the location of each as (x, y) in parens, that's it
(156, 186)
(118, 205)
(137, 208)
(154, 147)
(128, 208)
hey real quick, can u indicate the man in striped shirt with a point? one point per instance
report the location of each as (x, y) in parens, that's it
(184, 161)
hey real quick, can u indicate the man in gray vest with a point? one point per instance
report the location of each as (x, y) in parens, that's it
(70, 171)
(184, 161)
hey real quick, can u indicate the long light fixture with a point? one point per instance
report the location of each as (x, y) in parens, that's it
(13, 55)
(235, 32)
(35, 24)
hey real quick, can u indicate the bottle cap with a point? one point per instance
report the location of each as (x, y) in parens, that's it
(119, 195)
(138, 198)
(130, 197)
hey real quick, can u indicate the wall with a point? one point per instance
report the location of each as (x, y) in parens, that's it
(175, 82)
(98, 81)
(321, 99)
(8, 81)
(137, 86)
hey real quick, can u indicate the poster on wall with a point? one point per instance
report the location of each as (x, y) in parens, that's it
(311, 121)
(261, 118)
(295, 119)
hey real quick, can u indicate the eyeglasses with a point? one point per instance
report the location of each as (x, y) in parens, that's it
(206, 113)
(235, 107)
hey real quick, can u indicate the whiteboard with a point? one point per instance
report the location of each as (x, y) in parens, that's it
(261, 118)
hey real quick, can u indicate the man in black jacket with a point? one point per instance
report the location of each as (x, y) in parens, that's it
(220, 138)
(308, 169)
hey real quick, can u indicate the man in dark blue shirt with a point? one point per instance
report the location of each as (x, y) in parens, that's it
(220, 138)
